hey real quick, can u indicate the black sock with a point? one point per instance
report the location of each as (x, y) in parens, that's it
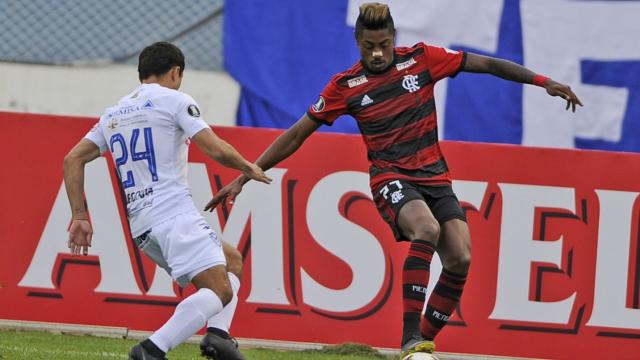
(223, 334)
(415, 279)
(152, 348)
(410, 327)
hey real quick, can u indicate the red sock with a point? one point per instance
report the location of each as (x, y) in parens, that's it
(442, 303)
(415, 278)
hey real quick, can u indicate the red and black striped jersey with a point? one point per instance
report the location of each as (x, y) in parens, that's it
(396, 113)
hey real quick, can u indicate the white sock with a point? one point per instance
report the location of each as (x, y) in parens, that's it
(222, 320)
(189, 317)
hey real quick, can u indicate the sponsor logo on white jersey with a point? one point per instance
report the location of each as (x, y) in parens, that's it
(113, 123)
(357, 81)
(125, 110)
(405, 64)
(366, 100)
(410, 82)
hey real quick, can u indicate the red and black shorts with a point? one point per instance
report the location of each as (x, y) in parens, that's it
(393, 195)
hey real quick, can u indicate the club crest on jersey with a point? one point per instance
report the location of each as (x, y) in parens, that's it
(406, 64)
(319, 105)
(357, 81)
(410, 82)
(193, 111)
(113, 123)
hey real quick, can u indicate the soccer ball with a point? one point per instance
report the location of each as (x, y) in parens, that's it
(420, 356)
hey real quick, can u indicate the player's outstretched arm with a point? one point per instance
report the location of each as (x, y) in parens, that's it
(515, 72)
(288, 142)
(80, 231)
(220, 151)
(285, 145)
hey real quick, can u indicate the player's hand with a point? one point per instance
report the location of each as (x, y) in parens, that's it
(255, 172)
(564, 91)
(230, 191)
(80, 234)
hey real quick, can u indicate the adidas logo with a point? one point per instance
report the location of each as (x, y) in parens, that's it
(366, 100)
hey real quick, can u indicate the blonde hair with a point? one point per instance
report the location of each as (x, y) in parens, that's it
(374, 16)
(374, 12)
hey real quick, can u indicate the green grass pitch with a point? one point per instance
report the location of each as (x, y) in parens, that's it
(16, 345)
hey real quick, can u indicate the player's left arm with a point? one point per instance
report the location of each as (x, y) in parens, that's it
(515, 72)
(80, 231)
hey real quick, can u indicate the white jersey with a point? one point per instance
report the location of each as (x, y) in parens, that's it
(148, 135)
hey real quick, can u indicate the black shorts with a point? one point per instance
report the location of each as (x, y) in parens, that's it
(393, 195)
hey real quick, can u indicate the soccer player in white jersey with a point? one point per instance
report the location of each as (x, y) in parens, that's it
(148, 133)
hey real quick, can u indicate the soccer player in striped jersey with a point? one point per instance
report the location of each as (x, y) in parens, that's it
(390, 94)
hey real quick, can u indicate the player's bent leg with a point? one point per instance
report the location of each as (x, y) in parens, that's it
(455, 246)
(216, 280)
(454, 249)
(417, 223)
(191, 314)
(217, 343)
(187, 248)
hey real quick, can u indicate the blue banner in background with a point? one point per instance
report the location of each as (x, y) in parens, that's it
(283, 53)
(486, 108)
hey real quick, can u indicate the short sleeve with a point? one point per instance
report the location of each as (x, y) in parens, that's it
(189, 117)
(443, 62)
(329, 106)
(96, 136)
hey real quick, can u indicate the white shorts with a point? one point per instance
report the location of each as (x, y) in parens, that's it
(184, 246)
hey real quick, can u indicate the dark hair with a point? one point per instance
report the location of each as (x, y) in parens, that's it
(374, 16)
(158, 58)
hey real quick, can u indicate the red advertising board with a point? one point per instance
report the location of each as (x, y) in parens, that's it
(555, 253)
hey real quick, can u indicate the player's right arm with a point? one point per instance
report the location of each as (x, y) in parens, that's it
(188, 118)
(80, 231)
(285, 145)
(329, 106)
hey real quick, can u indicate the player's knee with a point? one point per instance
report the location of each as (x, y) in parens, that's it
(427, 230)
(226, 295)
(460, 263)
(224, 292)
(216, 280)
